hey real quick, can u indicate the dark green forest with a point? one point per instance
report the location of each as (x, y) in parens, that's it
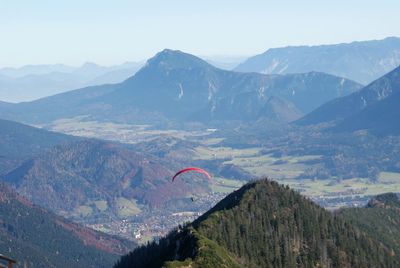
(380, 218)
(265, 224)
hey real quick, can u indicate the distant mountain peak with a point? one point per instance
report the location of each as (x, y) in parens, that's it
(90, 65)
(172, 59)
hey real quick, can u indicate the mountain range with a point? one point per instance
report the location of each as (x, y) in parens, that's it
(177, 86)
(362, 61)
(32, 82)
(374, 108)
(264, 224)
(38, 238)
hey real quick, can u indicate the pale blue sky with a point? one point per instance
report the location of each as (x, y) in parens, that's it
(115, 31)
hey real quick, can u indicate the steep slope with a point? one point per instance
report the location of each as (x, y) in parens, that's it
(360, 61)
(375, 108)
(20, 142)
(381, 118)
(280, 110)
(37, 238)
(380, 219)
(177, 86)
(264, 224)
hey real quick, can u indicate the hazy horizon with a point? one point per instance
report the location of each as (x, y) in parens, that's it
(216, 57)
(110, 33)
(219, 58)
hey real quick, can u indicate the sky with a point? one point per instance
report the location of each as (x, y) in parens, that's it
(111, 32)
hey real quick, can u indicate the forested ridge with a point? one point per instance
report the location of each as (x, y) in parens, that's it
(264, 224)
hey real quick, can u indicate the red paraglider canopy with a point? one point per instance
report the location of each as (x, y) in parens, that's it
(191, 169)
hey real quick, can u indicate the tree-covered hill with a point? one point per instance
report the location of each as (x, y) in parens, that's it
(19, 142)
(38, 238)
(380, 218)
(77, 175)
(264, 224)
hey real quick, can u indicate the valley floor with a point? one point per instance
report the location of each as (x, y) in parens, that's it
(277, 163)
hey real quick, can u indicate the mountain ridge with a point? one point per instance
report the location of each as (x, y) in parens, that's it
(374, 108)
(264, 224)
(174, 85)
(361, 61)
(31, 82)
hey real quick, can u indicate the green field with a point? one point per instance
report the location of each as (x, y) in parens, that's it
(251, 160)
(212, 141)
(388, 182)
(101, 205)
(126, 208)
(389, 177)
(83, 211)
(221, 185)
(210, 153)
(288, 170)
(272, 167)
(125, 133)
